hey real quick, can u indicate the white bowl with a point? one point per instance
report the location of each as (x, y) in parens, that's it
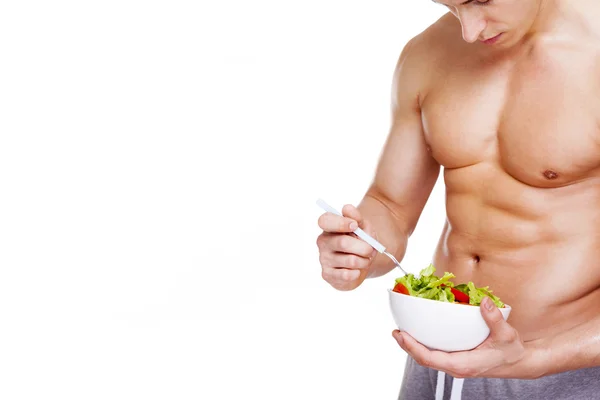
(439, 325)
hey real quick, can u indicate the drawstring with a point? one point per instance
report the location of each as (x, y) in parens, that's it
(439, 388)
(457, 389)
(457, 386)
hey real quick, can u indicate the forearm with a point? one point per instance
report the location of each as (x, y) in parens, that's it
(390, 229)
(576, 348)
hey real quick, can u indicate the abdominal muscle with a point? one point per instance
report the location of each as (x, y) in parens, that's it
(536, 248)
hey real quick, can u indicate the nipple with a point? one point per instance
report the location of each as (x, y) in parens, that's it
(549, 174)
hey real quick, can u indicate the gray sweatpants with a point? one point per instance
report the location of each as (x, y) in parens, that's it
(420, 383)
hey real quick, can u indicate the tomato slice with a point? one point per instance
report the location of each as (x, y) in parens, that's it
(400, 288)
(460, 296)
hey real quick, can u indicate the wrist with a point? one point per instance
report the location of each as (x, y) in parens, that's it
(538, 359)
(381, 264)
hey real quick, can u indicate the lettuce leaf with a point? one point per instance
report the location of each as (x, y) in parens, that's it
(476, 295)
(429, 286)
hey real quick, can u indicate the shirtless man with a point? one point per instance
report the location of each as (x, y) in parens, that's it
(505, 96)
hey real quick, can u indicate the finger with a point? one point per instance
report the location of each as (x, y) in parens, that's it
(460, 364)
(329, 259)
(340, 275)
(350, 245)
(333, 243)
(500, 330)
(421, 354)
(349, 261)
(334, 223)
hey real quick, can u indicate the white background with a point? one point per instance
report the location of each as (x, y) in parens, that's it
(159, 166)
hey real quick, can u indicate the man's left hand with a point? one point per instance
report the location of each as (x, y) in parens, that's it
(502, 355)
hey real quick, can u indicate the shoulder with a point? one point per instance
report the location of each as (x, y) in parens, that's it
(426, 53)
(438, 38)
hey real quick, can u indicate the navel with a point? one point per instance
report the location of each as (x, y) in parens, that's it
(549, 174)
(476, 258)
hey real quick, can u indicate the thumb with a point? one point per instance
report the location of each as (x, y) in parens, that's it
(499, 328)
(352, 212)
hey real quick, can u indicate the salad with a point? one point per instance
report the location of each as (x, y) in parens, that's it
(429, 286)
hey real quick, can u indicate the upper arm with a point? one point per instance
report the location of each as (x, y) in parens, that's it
(406, 172)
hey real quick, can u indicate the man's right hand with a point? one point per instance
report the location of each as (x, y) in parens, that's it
(345, 259)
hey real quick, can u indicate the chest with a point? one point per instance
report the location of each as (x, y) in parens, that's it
(537, 117)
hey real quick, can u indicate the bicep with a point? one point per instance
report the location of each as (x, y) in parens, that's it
(406, 172)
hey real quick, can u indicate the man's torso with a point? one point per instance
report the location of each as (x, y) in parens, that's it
(518, 136)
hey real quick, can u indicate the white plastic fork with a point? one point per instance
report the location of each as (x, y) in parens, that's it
(363, 235)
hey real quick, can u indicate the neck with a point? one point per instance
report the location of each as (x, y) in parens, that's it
(556, 18)
(545, 19)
